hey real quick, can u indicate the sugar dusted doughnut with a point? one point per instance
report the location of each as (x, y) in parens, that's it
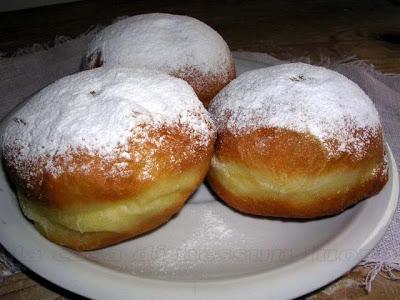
(296, 140)
(178, 45)
(101, 156)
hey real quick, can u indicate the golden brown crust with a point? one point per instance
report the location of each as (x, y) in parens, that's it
(207, 86)
(179, 152)
(280, 150)
(288, 155)
(81, 189)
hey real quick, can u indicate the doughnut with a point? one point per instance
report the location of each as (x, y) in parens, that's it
(102, 156)
(295, 141)
(178, 45)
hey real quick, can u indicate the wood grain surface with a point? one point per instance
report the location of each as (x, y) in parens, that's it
(322, 30)
(368, 30)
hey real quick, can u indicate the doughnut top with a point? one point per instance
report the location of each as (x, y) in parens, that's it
(100, 110)
(169, 43)
(302, 98)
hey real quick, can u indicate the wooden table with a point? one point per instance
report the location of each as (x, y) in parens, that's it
(322, 30)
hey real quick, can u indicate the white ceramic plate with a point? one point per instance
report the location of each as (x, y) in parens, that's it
(208, 250)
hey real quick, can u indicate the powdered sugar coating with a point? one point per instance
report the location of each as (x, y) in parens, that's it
(99, 111)
(169, 43)
(302, 98)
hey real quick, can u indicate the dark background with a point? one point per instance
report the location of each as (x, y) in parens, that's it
(338, 29)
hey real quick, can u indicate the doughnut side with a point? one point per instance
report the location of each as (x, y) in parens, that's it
(94, 201)
(278, 172)
(103, 225)
(207, 86)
